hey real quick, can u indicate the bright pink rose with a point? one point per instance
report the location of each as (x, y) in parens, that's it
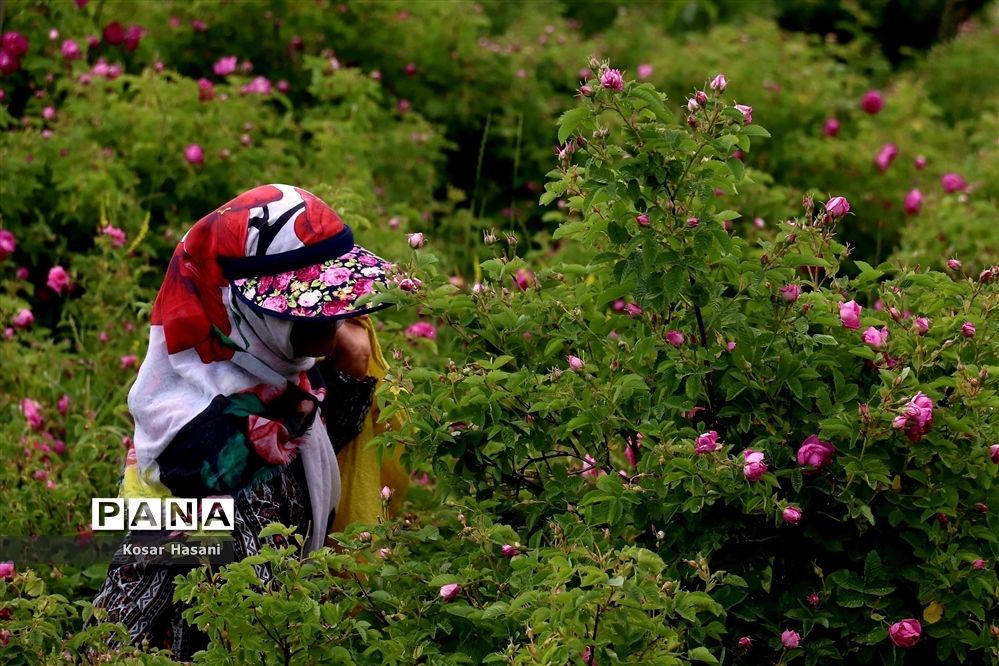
(642, 220)
(23, 319)
(117, 235)
(194, 154)
(952, 182)
(7, 244)
(128, 361)
(994, 453)
(954, 264)
(706, 443)
(7, 570)
(633, 309)
(792, 515)
(225, 66)
(421, 329)
(916, 417)
(509, 551)
(905, 633)
(831, 127)
(849, 314)
(71, 50)
(790, 639)
(32, 413)
(133, 34)
(790, 292)
(590, 468)
(913, 201)
(968, 329)
(837, 207)
(523, 278)
(674, 337)
(63, 404)
(754, 466)
(258, 86)
(815, 453)
(922, 325)
(872, 102)
(886, 156)
(14, 43)
(876, 337)
(612, 79)
(58, 280)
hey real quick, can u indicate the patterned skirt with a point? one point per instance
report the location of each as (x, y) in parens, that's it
(139, 594)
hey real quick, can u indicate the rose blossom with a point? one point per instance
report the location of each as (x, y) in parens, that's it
(922, 325)
(590, 468)
(642, 220)
(117, 235)
(790, 639)
(509, 551)
(23, 319)
(206, 90)
(886, 156)
(916, 417)
(994, 453)
(415, 240)
(644, 71)
(952, 182)
(831, 127)
(674, 337)
(719, 82)
(225, 66)
(792, 515)
(815, 453)
(71, 50)
(7, 570)
(837, 207)
(813, 599)
(194, 154)
(63, 404)
(32, 413)
(968, 329)
(754, 466)
(913, 201)
(58, 280)
(954, 264)
(849, 314)
(905, 633)
(8, 243)
(746, 111)
(421, 329)
(872, 102)
(706, 443)
(876, 337)
(612, 79)
(575, 363)
(790, 292)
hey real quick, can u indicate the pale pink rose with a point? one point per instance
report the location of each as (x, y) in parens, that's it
(849, 314)
(790, 292)
(644, 71)
(790, 639)
(58, 280)
(450, 591)
(23, 318)
(128, 361)
(415, 240)
(905, 633)
(876, 337)
(746, 111)
(575, 363)
(387, 493)
(367, 260)
(706, 443)
(309, 298)
(336, 275)
(719, 82)
(384, 553)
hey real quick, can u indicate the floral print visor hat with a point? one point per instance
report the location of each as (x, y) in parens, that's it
(301, 262)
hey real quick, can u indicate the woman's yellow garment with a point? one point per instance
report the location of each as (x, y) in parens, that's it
(361, 477)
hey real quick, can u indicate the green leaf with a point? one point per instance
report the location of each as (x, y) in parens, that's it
(702, 654)
(570, 120)
(755, 130)
(726, 215)
(824, 339)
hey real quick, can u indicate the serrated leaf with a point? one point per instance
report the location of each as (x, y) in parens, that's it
(702, 654)
(570, 120)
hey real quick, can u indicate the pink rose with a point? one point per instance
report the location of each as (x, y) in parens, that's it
(336, 275)
(872, 102)
(813, 599)
(32, 413)
(450, 591)
(7, 244)
(706, 443)
(367, 260)
(258, 86)
(954, 264)
(745, 642)
(978, 564)
(815, 453)
(790, 292)
(590, 468)
(905, 633)
(7, 570)
(575, 363)
(876, 337)
(206, 90)
(225, 66)
(849, 314)
(509, 551)
(194, 154)
(994, 453)
(415, 240)
(746, 111)
(830, 127)
(675, 338)
(754, 466)
(642, 220)
(362, 287)
(58, 280)
(71, 50)
(719, 82)
(919, 162)
(952, 182)
(421, 329)
(23, 318)
(307, 274)
(968, 329)
(631, 449)
(14, 43)
(790, 639)
(916, 417)
(523, 279)
(117, 235)
(913, 201)
(612, 79)
(128, 361)
(309, 298)
(644, 71)
(792, 515)
(837, 207)
(282, 280)
(922, 325)
(276, 303)
(63, 404)
(886, 156)
(633, 309)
